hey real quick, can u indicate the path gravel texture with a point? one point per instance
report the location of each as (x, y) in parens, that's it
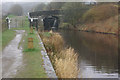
(12, 56)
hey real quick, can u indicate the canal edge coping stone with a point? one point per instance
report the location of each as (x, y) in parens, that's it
(47, 63)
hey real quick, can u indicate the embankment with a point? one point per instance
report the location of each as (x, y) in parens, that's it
(102, 18)
(64, 60)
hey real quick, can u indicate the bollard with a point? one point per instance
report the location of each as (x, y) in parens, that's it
(39, 30)
(30, 43)
(31, 30)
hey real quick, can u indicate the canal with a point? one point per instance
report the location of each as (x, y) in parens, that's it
(98, 53)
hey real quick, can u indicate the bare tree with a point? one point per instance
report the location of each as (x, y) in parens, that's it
(16, 10)
(73, 12)
(39, 7)
(55, 5)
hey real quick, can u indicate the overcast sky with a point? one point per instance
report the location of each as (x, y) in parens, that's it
(26, 0)
(59, 0)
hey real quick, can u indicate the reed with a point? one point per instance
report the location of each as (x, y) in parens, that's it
(54, 43)
(66, 64)
(57, 42)
(63, 60)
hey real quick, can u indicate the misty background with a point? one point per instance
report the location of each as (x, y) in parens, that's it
(26, 6)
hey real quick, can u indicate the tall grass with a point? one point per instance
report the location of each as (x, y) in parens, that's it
(66, 64)
(53, 43)
(63, 60)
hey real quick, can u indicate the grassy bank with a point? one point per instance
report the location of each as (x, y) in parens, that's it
(32, 59)
(7, 36)
(100, 18)
(64, 60)
(109, 26)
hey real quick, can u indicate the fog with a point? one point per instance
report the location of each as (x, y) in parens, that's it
(27, 6)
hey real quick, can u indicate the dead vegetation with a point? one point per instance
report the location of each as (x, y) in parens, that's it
(53, 43)
(64, 59)
(108, 26)
(100, 12)
(66, 64)
(102, 18)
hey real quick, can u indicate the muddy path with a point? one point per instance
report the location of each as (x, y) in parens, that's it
(12, 56)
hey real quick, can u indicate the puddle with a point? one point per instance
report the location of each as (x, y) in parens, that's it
(12, 56)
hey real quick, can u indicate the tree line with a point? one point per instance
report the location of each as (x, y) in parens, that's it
(75, 12)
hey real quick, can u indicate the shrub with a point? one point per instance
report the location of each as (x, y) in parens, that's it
(108, 26)
(100, 12)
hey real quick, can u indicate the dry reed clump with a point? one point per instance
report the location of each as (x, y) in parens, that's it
(3, 24)
(47, 43)
(108, 26)
(57, 42)
(54, 43)
(66, 64)
(64, 61)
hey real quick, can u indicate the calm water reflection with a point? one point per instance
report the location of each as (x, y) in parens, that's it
(98, 53)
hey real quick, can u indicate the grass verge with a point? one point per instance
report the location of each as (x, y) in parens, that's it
(32, 59)
(7, 36)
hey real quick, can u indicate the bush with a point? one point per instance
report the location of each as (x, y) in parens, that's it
(100, 12)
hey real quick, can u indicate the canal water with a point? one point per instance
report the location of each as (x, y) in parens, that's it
(98, 53)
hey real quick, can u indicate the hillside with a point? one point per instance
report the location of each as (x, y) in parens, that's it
(102, 18)
(108, 26)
